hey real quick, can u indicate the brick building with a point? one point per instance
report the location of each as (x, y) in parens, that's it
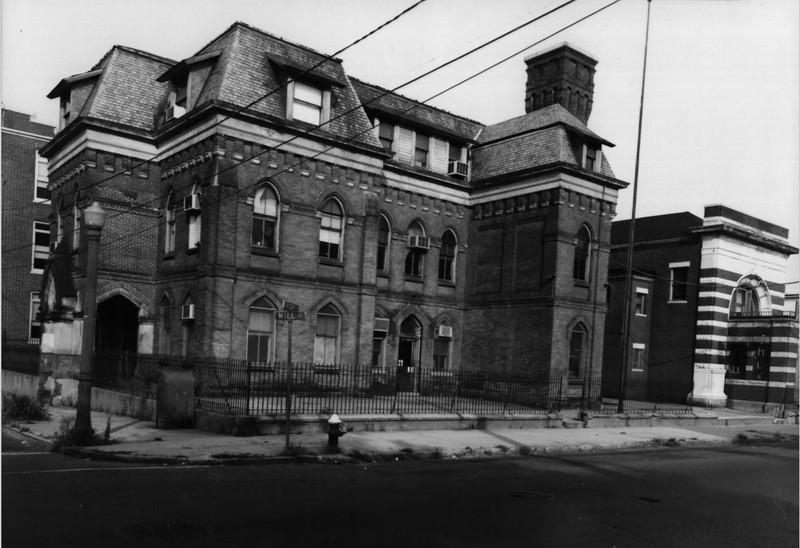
(257, 172)
(709, 316)
(26, 224)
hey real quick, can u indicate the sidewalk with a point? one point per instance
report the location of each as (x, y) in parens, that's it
(134, 440)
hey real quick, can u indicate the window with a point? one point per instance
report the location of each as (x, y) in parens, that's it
(66, 110)
(42, 191)
(455, 153)
(678, 281)
(447, 257)
(327, 336)
(421, 151)
(637, 359)
(265, 219)
(641, 301)
(750, 298)
(76, 224)
(35, 331)
(169, 230)
(441, 351)
(331, 230)
(307, 104)
(194, 218)
(259, 331)
(581, 263)
(591, 156)
(577, 346)
(384, 238)
(60, 220)
(41, 246)
(187, 326)
(386, 135)
(377, 350)
(415, 264)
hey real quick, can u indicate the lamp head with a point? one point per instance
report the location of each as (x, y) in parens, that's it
(94, 216)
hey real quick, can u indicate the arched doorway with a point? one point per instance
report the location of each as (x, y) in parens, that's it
(116, 339)
(408, 354)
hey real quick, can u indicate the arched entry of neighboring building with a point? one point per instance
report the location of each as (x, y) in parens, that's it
(116, 338)
(408, 354)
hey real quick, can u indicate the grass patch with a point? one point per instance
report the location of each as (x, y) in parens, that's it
(524, 450)
(17, 407)
(661, 442)
(66, 438)
(295, 451)
(360, 456)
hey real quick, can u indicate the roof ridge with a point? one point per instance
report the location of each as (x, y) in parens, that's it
(464, 118)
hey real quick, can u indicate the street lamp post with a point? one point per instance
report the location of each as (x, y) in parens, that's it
(93, 219)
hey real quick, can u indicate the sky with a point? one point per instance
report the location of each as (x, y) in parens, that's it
(721, 116)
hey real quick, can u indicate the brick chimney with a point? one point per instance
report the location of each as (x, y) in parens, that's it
(561, 75)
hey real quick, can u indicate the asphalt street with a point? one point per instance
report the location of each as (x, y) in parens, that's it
(721, 496)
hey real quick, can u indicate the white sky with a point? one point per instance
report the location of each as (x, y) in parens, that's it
(722, 101)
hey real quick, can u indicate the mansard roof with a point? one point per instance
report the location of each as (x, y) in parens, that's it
(397, 107)
(536, 120)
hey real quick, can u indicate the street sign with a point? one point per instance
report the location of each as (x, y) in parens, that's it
(290, 316)
(290, 307)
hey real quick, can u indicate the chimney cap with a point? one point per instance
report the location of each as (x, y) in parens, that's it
(556, 47)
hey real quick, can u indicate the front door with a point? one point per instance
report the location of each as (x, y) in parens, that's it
(405, 365)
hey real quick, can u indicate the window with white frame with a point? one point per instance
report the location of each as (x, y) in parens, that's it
(195, 219)
(259, 331)
(678, 282)
(308, 103)
(265, 219)
(169, 229)
(637, 357)
(384, 240)
(42, 192)
(331, 230)
(35, 331)
(447, 257)
(41, 246)
(641, 301)
(386, 135)
(326, 338)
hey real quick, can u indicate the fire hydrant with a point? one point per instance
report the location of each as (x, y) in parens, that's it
(335, 430)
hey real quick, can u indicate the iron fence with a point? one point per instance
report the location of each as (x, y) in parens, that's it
(243, 388)
(21, 356)
(639, 397)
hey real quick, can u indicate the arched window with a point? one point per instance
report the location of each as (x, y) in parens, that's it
(265, 219)
(384, 240)
(259, 331)
(415, 250)
(577, 350)
(76, 220)
(187, 318)
(60, 220)
(750, 298)
(326, 339)
(169, 228)
(164, 326)
(582, 262)
(331, 230)
(442, 340)
(194, 216)
(447, 257)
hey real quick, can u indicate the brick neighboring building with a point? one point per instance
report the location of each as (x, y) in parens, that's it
(710, 321)
(406, 234)
(26, 224)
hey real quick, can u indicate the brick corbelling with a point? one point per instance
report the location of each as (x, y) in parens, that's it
(543, 199)
(111, 166)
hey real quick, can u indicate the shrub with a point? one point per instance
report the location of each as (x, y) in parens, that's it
(17, 407)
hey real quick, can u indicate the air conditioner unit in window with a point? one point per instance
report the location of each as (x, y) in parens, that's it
(381, 324)
(175, 111)
(419, 242)
(187, 312)
(444, 331)
(458, 169)
(191, 202)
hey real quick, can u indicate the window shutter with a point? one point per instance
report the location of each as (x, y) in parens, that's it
(438, 156)
(405, 146)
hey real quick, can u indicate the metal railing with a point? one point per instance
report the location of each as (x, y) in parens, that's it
(639, 397)
(242, 388)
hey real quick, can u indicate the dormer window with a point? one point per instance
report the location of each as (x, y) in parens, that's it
(177, 105)
(66, 110)
(592, 158)
(308, 103)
